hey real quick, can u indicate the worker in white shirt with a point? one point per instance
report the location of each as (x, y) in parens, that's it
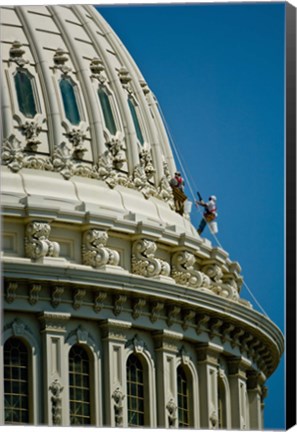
(210, 212)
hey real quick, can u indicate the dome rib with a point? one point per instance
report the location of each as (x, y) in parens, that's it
(128, 127)
(54, 120)
(94, 118)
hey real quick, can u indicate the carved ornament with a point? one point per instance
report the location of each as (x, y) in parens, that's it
(94, 250)
(144, 262)
(37, 244)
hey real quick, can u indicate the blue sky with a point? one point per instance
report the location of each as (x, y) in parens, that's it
(217, 71)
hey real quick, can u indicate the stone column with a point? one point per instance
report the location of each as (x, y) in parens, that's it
(254, 397)
(114, 364)
(208, 355)
(238, 394)
(55, 379)
(166, 359)
(264, 391)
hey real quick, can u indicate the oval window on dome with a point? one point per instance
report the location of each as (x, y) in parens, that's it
(24, 84)
(135, 120)
(69, 97)
(107, 111)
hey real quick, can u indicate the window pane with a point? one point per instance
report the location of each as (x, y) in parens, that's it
(135, 391)
(182, 398)
(135, 121)
(16, 382)
(69, 100)
(25, 95)
(107, 112)
(79, 386)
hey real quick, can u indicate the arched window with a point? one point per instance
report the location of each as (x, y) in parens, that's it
(222, 424)
(24, 82)
(16, 382)
(135, 120)
(79, 386)
(69, 97)
(107, 111)
(135, 391)
(183, 398)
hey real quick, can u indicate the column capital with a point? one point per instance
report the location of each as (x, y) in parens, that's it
(114, 330)
(166, 340)
(54, 321)
(238, 366)
(208, 353)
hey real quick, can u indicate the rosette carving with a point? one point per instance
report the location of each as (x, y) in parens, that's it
(37, 244)
(94, 250)
(184, 273)
(144, 262)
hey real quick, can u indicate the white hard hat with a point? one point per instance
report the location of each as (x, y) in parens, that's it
(213, 197)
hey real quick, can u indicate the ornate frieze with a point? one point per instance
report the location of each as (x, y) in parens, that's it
(144, 262)
(37, 244)
(56, 389)
(94, 250)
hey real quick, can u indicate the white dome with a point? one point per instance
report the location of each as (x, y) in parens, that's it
(90, 117)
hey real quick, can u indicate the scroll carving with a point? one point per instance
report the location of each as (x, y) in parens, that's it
(183, 271)
(37, 244)
(34, 294)
(57, 293)
(11, 290)
(144, 262)
(94, 250)
(118, 304)
(56, 389)
(99, 297)
(78, 296)
(138, 306)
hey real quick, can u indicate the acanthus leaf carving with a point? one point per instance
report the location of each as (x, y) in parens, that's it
(12, 153)
(94, 250)
(37, 244)
(56, 389)
(171, 408)
(144, 262)
(118, 397)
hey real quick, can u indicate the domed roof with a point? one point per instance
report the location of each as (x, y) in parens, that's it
(77, 108)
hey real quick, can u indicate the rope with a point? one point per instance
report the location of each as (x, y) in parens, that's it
(181, 164)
